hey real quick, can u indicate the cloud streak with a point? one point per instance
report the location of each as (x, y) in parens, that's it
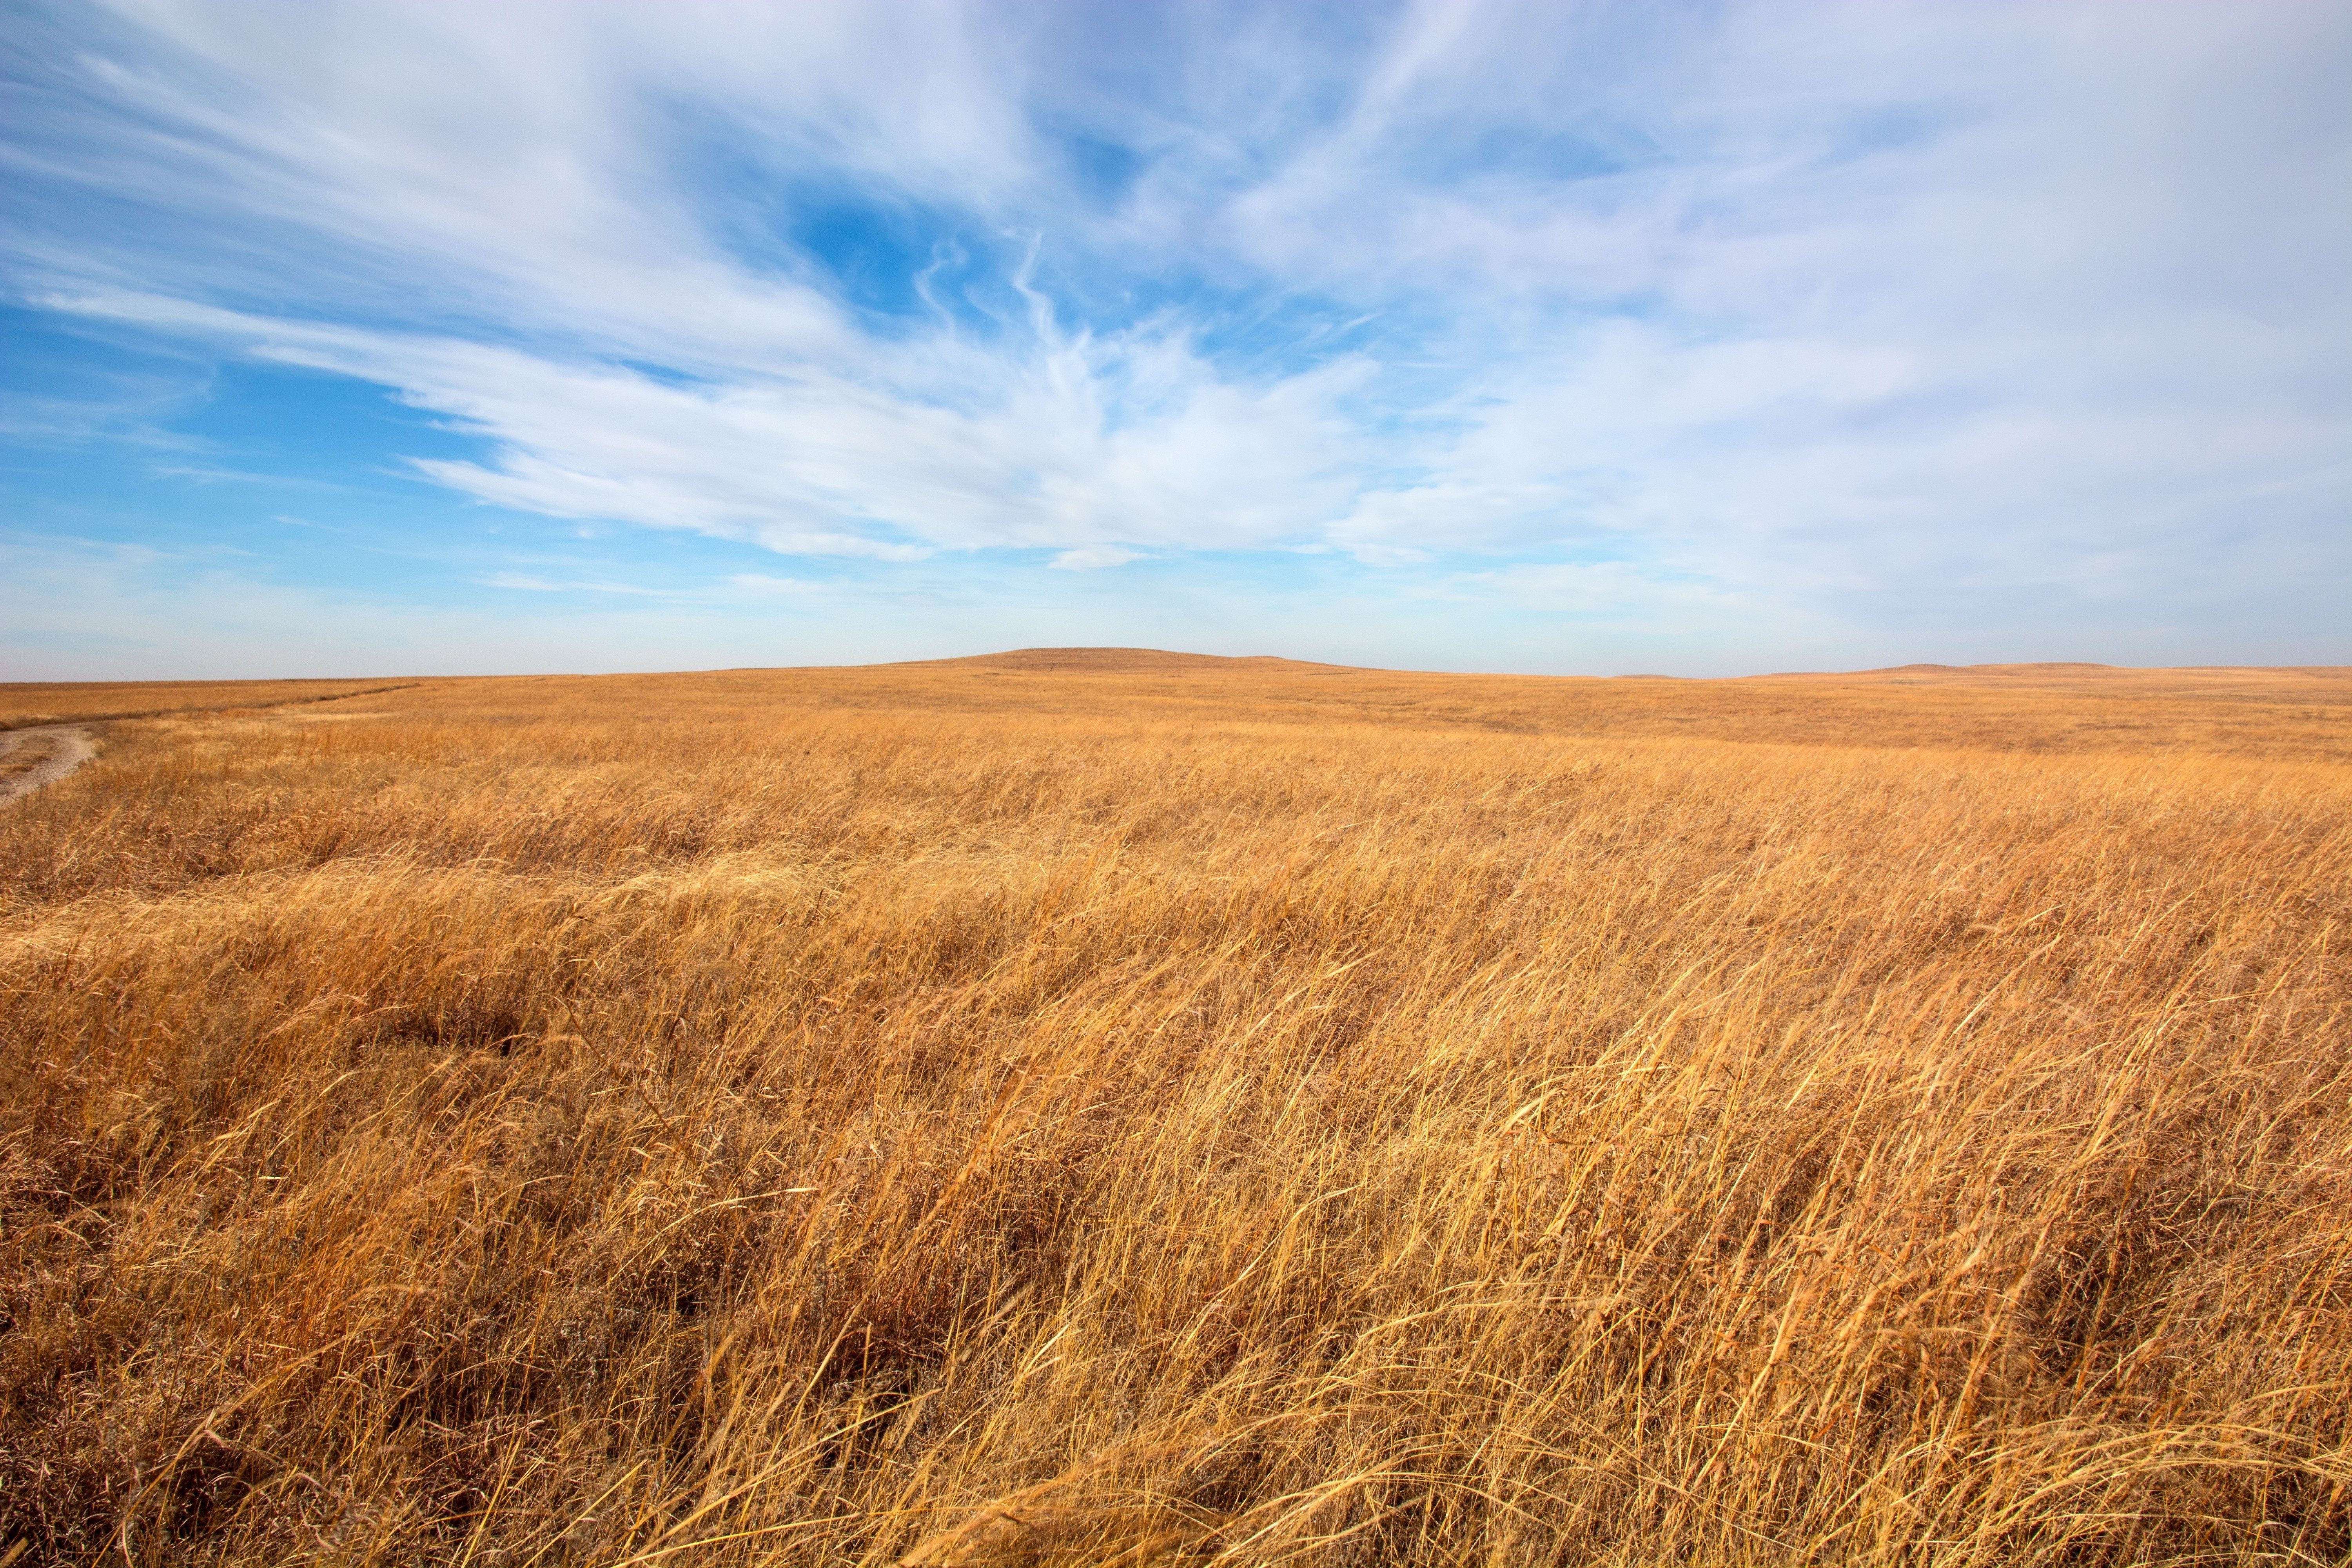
(1860, 314)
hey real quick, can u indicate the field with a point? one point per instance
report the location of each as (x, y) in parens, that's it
(1086, 1108)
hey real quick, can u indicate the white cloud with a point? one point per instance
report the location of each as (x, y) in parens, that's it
(1093, 558)
(1816, 304)
(1612, 593)
(526, 583)
(815, 460)
(761, 585)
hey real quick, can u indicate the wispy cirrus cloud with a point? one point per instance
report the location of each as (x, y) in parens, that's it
(1881, 317)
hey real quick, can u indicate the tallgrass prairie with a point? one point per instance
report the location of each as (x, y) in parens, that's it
(1084, 1107)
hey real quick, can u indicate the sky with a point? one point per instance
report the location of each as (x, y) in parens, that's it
(1701, 338)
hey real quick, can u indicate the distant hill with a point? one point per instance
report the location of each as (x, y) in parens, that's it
(1152, 660)
(2069, 674)
(1115, 660)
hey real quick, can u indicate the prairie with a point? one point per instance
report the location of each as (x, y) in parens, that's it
(1091, 1107)
(24, 705)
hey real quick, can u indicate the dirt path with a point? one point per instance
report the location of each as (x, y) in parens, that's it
(57, 749)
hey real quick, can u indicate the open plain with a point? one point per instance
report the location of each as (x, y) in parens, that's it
(1087, 1107)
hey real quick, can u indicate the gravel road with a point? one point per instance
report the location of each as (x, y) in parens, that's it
(66, 746)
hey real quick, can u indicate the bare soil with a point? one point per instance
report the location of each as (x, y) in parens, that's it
(31, 758)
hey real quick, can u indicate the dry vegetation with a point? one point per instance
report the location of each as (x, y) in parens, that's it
(1092, 1111)
(25, 704)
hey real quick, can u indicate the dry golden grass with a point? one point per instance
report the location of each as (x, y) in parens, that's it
(1019, 1113)
(25, 704)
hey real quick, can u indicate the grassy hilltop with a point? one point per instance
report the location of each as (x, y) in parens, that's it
(1088, 1106)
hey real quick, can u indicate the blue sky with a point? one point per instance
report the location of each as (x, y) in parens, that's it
(1706, 339)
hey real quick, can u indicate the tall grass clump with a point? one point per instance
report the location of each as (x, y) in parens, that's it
(978, 1115)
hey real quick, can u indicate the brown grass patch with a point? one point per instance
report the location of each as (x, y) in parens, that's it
(1235, 1113)
(24, 705)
